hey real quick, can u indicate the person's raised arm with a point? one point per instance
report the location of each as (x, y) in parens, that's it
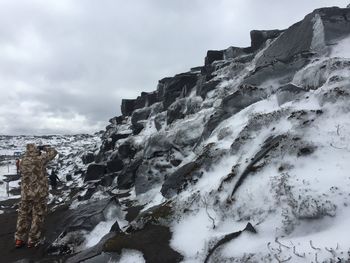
(49, 154)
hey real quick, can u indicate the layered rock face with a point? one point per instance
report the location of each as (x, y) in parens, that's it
(256, 137)
(172, 122)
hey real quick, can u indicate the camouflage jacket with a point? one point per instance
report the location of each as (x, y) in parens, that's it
(34, 182)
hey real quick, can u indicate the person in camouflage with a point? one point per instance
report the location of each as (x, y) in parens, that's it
(34, 193)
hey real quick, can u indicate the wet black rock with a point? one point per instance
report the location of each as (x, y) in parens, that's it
(150, 173)
(95, 253)
(178, 86)
(157, 251)
(213, 55)
(127, 107)
(157, 143)
(108, 145)
(126, 150)
(115, 165)
(176, 111)
(126, 179)
(214, 120)
(175, 181)
(288, 92)
(259, 37)
(117, 120)
(245, 96)
(160, 120)
(88, 157)
(140, 114)
(72, 222)
(306, 151)
(298, 38)
(95, 172)
(107, 180)
(203, 89)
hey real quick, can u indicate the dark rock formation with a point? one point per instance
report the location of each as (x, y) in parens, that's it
(288, 92)
(95, 172)
(115, 165)
(213, 55)
(126, 150)
(157, 251)
(228, 238)
(245, 96)
(259, 37)
(174, 182)
(126, 179)
(176, 111)
(203, 89)
(178, 86)
(88, 157)
(127, 107)
(117, 120)
(332, 22)
(141, 114)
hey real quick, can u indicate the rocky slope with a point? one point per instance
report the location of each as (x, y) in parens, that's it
(244, 159)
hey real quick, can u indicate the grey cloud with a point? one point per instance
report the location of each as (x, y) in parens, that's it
(65, 62)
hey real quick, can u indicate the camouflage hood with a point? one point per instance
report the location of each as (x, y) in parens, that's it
(31, 150)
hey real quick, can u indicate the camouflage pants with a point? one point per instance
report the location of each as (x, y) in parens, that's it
(31, 216)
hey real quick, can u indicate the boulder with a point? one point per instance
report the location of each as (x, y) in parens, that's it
(235, 52)
(283, 72)
(175, 181)
(183, 107)
(150, 98)
(149, 174)
(72, 223)
(190, 172)
(94, 254)
(115, 165)
(157, 251)
(88, 193)
(69, 177)
(160, 120)
(244, 97)
(157, 143)
(88, 157)
(140, 114)
(331, 23)
(107, 180)
(181, 84)
(214, 120)
(203, 89)
(176, 111)
(127, 107)
(117, 120)
(95, 172)
(259, 37)
(213, 55)
(137, 128)
(118, 136)
(287, 93)
(126, 150)
(109, 143)
(126, 178)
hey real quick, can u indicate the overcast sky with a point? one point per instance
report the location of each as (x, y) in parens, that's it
(65, 65)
